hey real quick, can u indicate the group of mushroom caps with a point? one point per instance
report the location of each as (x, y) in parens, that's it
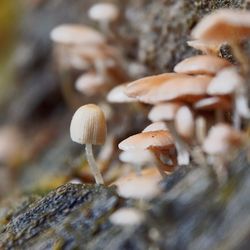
(197, 110)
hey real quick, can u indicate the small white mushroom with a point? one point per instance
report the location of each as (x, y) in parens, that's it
(88, 126)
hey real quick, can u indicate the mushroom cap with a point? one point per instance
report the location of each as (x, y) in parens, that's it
(156, 126)
(226, 82)
(117, 95)
(139, 157)
(221, 139)
(148, 140)
(223, 25)
(74, 34)
(205, 47)
(164, 111)
(202, 64)
(144, 186)
(176, 88)
(127, 217)
(213, 103)
(90, 84)
(107, 12)
(88, 125)
(145, 84)
(184, 122)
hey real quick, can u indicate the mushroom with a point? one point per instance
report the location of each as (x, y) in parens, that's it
(229, 82)
(220, 143)
(145, 186)
(127, 217)
(225, 25)
(88, 126)
(117, 95)
(158, 142)
(168, 87)
(104, 14)
(203, 64)
(219, 104)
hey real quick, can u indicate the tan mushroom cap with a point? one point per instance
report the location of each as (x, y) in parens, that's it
(213, 103)
(117, 95)
(144, 186)
(226, 82)
(155, 140)
(221, 139)
(184, 122)
(178, 88)
(205, 47)
(106, 12)
(223, 25)
(203, 64)
(88, 125)
(164, 111)
(145, 84)
(156, 126)
(75, 34)
(90, 83)
(127, 217)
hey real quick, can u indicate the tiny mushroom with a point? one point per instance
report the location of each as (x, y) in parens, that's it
(127, 217)
(117, 95)
(158, 142)
(88, 126)
(144, 186)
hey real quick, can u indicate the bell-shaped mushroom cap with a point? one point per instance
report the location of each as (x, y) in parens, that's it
(226, 82)
(117, 95)
(88, 125)
(74, 34)
(144, 186)
(213, 103)
(148, 140)
(155, 126)
(223, 25)
(144, 85)
(179, 88)
(138, 157)
(164, 111)
(106, 12)
(184, 122)
(90, 83)
(203, 64)
(127, 217)
(221, 139)
(205, 47)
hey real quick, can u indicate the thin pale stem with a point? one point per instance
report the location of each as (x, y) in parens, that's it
(92, 164)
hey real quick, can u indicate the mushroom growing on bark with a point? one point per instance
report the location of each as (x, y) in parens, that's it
(88, 126)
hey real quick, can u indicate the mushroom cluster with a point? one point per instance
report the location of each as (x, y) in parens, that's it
(197, 109)
(97, 65)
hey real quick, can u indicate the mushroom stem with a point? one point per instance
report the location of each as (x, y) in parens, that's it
(93, 165)
(219, 116)
(236, 115)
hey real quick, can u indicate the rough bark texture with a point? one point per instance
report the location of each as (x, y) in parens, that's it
(192, 212)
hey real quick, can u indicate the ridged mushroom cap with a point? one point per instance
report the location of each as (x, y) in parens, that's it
(203, 64)
(88, 125)
(223, 25)
(75, 34)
